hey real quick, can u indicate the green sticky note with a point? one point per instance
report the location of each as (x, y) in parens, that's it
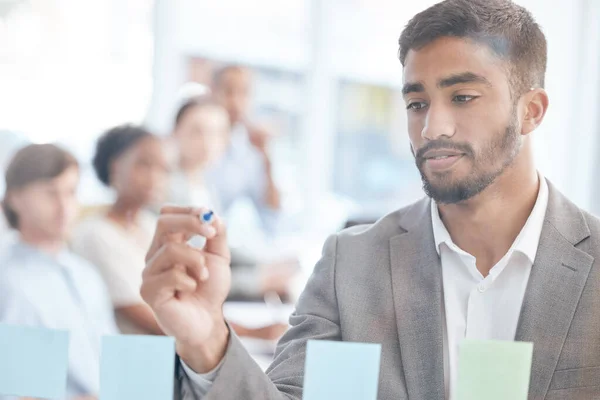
(494, 370)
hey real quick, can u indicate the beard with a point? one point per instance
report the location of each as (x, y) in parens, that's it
(498, 155)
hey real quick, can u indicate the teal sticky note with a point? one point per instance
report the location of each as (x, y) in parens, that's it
(493, 370)
(137, 367)
(341, 370)
(33, 362)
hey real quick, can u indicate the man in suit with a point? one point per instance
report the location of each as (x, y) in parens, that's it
(494, 252)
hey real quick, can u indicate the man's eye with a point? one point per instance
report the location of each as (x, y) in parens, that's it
(463, 98)
(416, 105)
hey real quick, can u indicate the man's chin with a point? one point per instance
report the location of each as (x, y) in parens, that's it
(61, 233)
(446, 191)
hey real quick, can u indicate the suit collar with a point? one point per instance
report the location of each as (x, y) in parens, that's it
(417, 290)
(525, 243)
(558, 276)
(566, 217)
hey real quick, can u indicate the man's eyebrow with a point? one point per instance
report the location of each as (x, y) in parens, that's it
(412, 87)
(465, 77)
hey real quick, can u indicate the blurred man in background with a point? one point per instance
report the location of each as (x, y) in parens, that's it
(245, 170)
(41, 281)
(10, 142)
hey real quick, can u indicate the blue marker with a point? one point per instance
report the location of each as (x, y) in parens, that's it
(207, 217)
(197, 240)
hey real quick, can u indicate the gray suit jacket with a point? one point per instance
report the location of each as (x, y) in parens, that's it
(383, 284)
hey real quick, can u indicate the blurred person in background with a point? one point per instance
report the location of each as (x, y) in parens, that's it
(245, 170)
(42, 283)
(130, 160)
(10, 142)
(201, 135)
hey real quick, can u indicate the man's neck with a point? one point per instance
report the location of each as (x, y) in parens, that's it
(191, 168)
(487, 225)
(42, 242)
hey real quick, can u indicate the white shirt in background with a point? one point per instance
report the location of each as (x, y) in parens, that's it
(183, 191)
(119, 255)
(485, 308)
(241, 173)
(64, 292)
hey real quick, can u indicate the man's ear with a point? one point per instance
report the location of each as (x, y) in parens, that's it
(13, 200)
(536, 105)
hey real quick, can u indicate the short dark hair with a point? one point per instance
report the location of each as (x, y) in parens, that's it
(198, 101)
(508, 29)
(112, 144)
(34, 163)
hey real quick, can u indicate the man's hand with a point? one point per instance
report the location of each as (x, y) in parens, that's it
(260, 137)
(186, 286)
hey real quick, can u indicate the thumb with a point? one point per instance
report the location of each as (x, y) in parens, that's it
(217, 245)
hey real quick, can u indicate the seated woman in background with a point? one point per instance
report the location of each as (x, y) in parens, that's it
(200, 138)
(201, 135)
(132, 162)
(42, 283)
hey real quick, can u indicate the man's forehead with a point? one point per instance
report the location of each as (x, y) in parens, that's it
(450, 56)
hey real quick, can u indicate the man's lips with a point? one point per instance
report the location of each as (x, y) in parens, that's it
(441, 161)
(441, 154)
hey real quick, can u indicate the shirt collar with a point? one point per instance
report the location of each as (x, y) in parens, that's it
(526, 242)
(23, 249)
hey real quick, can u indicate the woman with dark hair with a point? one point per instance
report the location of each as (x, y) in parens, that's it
(131, 161)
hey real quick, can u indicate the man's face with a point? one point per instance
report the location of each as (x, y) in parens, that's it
(233, 92)
(48, 208)
(462, 120)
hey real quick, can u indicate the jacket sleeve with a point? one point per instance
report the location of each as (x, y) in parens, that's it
(316, 318)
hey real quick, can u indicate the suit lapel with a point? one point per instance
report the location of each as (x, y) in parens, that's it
(417, 289)
(555, 286)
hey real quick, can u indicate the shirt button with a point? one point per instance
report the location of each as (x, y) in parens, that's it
(481, 288)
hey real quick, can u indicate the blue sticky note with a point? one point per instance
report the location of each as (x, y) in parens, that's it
(341, 370)
(33, 362)
(137, 367)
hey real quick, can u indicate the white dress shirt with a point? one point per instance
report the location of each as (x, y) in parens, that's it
(241, 173)
(475, 307)
(485, 308)
(62, 292)
(184, 191)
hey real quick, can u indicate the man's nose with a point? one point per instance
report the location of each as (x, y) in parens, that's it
(438, 122)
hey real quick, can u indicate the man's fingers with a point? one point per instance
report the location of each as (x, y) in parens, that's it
(172, 226)
(162, 287)
(172, 209)
(183, 223)
(179, 256)
(217, 244)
